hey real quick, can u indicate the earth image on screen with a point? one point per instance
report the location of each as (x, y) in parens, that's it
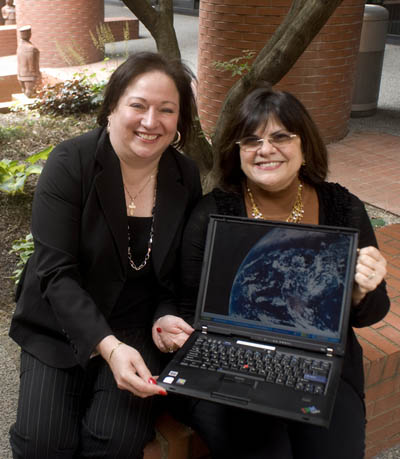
(292, 281)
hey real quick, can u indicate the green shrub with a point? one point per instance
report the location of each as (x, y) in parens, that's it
(13, 174)
(11, 133)
(237, 65)
(78, 95)
(23, 248)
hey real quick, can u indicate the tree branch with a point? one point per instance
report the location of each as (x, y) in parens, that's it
(143, 10)
(305, 19)
(159, 24)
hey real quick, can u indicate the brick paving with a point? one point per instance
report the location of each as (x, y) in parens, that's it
(368, 164)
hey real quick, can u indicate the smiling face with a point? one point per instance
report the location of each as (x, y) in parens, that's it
(144, 122)
(272, 168)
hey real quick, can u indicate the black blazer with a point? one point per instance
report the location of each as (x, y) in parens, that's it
(79, 224)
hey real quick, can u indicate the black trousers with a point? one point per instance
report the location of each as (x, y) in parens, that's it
(236, 433)
(76, 413)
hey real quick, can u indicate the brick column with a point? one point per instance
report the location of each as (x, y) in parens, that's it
(59, 26)
(322, 78)
(2, 3)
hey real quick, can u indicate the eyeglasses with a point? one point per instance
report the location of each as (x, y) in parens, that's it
(278, 140)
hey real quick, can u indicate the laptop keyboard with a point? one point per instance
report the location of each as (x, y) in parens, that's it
(275, 367)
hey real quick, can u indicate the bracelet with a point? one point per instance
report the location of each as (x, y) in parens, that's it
(113, 349)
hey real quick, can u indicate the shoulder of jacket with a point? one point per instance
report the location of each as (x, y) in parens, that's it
(84, 141)
(228, 202)
(182, 159)
(77, 150)
(340, 202)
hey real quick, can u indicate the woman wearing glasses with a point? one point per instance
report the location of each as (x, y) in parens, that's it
(273, 165)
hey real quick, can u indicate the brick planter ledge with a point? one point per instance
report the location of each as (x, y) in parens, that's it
(381, 345)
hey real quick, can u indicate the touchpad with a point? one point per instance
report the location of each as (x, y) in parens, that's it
(234, 388)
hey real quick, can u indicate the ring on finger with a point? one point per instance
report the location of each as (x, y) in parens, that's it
(372, 275)
(170, 350)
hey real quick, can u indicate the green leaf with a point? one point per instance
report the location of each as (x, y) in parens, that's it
(378, 222)
(35, 169)
(43, 154)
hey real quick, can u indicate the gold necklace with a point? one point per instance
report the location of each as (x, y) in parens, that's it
(132, 206)
(296, 214)
(149, 244)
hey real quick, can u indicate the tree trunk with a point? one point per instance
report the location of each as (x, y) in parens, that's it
(160, 23)
(304, 20)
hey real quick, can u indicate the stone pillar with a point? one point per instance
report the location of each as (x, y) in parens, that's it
(322, 78)
(62, 28)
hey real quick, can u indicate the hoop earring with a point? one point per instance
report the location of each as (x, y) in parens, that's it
(176, 141)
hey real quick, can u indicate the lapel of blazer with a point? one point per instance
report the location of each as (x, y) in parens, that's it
(110, 191)
(171, 202)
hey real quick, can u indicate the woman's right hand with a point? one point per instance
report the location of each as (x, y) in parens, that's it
(129, 370)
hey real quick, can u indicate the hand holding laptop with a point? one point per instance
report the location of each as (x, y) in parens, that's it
(370, 271)
(128, 367)
(170, 333)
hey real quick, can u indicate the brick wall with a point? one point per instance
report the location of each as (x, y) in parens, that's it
(8, 35)
(59, 27)
(381, 345)
(8, 85)
(322, 78)
(2, 3)
(8, 40)
(118, 25)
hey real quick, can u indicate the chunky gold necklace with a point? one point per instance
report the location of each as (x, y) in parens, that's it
(132, 206)
(296, 213)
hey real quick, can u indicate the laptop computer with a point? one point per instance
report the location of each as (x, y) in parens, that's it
(271, 318)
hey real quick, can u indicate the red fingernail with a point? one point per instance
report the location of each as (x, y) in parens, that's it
(162, 392)
(159, 330)
(152, 381)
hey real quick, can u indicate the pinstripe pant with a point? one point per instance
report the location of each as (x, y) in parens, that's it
(76, 413)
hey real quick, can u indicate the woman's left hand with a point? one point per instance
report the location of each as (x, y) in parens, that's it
(370, 271)
(170, 333)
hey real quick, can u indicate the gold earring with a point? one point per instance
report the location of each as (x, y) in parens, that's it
(303, 163)
(176, 141)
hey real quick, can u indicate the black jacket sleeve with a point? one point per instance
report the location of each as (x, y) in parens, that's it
(375, 304)
(56, 229)
(192, 255)
(339, 207)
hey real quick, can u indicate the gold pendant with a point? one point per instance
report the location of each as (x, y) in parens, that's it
(131, 208)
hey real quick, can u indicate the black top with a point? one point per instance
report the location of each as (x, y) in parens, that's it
(337, 207)
(140, 289)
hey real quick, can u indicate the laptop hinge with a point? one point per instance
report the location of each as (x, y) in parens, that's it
(204, 329)
(329, 352)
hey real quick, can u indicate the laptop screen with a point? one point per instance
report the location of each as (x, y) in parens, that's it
(289, 279)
